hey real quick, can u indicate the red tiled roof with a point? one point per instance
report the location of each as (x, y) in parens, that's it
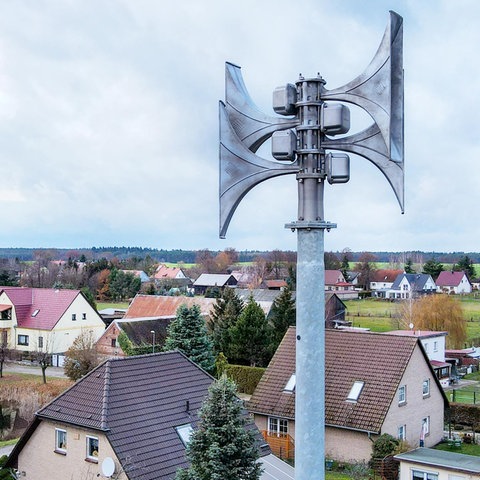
(275, 283)
(166, 272)
(417, 333)
(333, 276)
(143, 306)
(380, 363)
(50, 303)
(449, 279)
(386, 275)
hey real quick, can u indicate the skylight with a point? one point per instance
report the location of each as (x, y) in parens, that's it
(355, 391)
(184, 432)
(290, 386)
(35, 313)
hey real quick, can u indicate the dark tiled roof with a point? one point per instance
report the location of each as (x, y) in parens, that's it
(380, 362)
(137, 402)
(417, 281)
(140, 331)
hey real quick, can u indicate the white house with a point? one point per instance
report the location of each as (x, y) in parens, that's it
(408, 285)
(453, 282)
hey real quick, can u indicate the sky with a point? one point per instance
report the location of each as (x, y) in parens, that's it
(109, 129)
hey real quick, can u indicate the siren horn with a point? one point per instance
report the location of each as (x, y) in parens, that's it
(379, 91)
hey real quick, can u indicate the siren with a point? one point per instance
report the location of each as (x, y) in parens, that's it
(244, 128)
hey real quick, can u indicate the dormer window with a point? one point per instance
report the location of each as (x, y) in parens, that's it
(290, 386)
(355, 391)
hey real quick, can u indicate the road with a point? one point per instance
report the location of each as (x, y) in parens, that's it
(13, 367)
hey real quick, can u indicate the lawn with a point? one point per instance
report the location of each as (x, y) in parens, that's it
(465, 448)
(103, 305)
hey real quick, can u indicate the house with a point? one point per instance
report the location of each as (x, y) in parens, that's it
(410, 285)
(434, 345)
(382, 281)
(335, 281)
(431, 464)
(45, 319)
(155, 306)
(275, 284)
(151, 332)
(453, 282)
(207, 281)
(144, 278)
(374, 384)
(173, 273)
(129, 417)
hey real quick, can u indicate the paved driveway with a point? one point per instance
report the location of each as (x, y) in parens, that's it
(13, 367)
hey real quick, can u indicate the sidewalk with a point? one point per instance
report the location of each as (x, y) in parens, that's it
(14, 367)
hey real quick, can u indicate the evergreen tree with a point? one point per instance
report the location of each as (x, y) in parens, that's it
(282, 316)
(433, 268)
(345, 265)
(251, 336)
(408, 268)
(465, 264)
(222, 448)
(188, 334)
(225, 314)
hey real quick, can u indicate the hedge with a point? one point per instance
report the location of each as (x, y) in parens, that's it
(246, 378)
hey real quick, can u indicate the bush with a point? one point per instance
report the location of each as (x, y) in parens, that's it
(246, 378)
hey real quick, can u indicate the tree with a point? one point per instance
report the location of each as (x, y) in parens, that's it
(188, 334)
(345, 263)
(82, 356)
(331, 261)
(251, 336)
(282, 316)
(225, 314)
(222, 448)
(433, 268)
(123, 284)
(366, 268)
(465, 264)
(441, 313)
(408, 268)
(43, 353)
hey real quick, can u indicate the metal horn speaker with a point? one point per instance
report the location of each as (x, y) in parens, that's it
(379, 91)
(241, 169)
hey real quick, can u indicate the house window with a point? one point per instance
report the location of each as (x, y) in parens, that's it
(355, 391)
(40, 342)
(420, 475)
(6, 314)
(60, 440)
(184, 432)
(92, 448)
(402, 432)
(114, 342)
(84, 316)
(425, 346)
(277, 426)
(23, 340)
(426, 387)
(74, 316)
(35, 313)
(435, 346)
(425, 426)
(402, 395)
(290, 386)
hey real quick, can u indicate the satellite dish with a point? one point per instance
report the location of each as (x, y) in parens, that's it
(411, 326)
(108, 467)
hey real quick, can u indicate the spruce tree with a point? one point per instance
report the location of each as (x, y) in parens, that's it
(225, 314)
(222, 448)
(188, 334)
(251, 336)
(282, 316)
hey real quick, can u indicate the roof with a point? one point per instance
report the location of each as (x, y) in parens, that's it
(333, 276)
(386, 275)
(50, 303)
(417, 333)
(442, 459)
(276, 469)
(417, 281)
(137, 402)
(167, 272)
(143, 306)
(139, 331)
(259, 294)
(342, 369)
(275, 283)
(449, 279)
(213, 280)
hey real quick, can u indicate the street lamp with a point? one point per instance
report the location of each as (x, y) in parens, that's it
(153, 340)
(301, 139)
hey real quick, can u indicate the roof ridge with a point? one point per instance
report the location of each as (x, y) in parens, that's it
(106, 392)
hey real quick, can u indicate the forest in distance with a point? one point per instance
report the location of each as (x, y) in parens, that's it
(190, 256)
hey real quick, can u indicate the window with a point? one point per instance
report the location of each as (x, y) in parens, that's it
(426, 387)
(402, 432)
(355, 391)
(6, 314)
(23, 340)
(60, 440)
(92, 448)
(435, 346)
(35, 313)
(425, 426)
(290, 386)
(74, 316)
(425, 346)
(402, 395)
(184, 432)
(114, 342)
(40, 342)
(277, 426)
(419, 475)
(84, 316)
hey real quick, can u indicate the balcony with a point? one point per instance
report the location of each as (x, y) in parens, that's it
(281, 444)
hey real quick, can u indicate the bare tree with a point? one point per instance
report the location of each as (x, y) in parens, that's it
(43, 353)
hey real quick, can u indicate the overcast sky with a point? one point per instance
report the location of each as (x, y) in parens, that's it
(109, 121)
